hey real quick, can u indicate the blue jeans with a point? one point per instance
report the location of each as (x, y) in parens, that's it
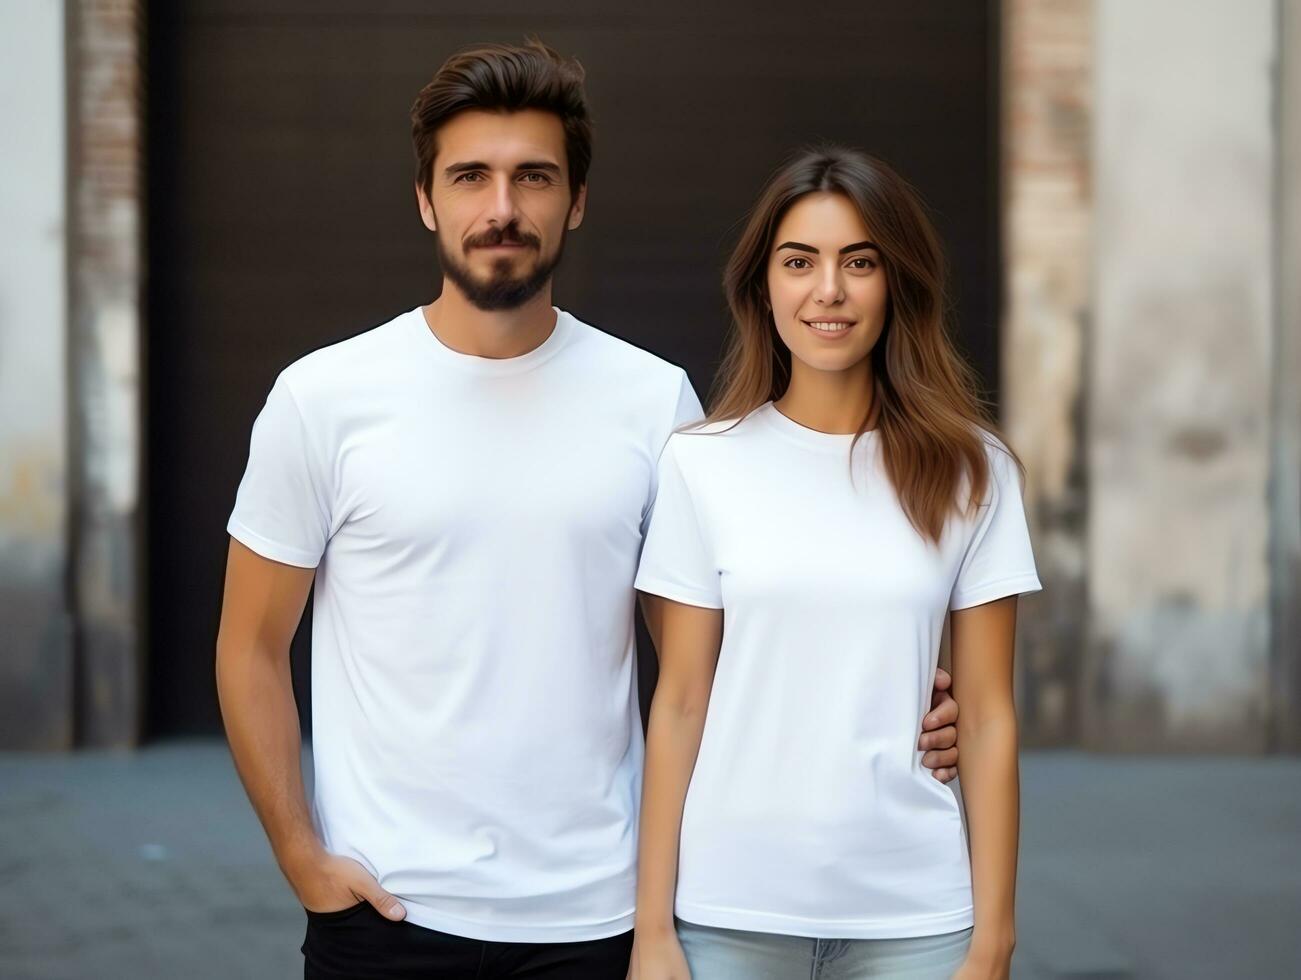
(733, 954)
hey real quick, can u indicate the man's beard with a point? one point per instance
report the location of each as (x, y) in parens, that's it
(502, 291)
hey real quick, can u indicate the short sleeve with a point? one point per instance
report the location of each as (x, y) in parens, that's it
(998, 561)
(686, 410)
(282, 509)
(676, 561)
(689, 409)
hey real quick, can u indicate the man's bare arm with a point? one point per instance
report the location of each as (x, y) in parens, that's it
(261, 607)
(939, 738)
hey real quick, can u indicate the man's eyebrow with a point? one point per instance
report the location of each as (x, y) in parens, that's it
(800, 246)
(469, 165)
(460, 168)
(546, 165)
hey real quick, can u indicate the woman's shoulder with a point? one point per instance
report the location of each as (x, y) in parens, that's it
(706, 427)
(709, 442)
(1004, 468)
(710, 435)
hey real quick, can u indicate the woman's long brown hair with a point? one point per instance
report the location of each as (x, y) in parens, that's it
(928, 414)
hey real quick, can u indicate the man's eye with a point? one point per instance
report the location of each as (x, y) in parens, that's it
(534, 178)
(470, 177)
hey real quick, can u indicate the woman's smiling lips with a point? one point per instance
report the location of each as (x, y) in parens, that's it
(829, 327)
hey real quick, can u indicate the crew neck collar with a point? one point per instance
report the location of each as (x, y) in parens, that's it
(492, 366)
(838, 442)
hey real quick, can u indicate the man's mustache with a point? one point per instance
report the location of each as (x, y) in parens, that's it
(509, 235)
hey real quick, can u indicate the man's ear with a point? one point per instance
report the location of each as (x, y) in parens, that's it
(426, 208)
(578, 208)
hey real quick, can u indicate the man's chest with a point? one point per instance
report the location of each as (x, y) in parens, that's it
(440, 478)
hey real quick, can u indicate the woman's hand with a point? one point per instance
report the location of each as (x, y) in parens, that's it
(657, 955)
(981, 965)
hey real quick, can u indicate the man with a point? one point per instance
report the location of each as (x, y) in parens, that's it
(467, 485)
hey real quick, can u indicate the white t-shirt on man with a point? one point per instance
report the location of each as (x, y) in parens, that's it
(809, 812)
(475, 525)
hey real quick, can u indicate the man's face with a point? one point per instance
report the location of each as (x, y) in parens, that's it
(500, 203)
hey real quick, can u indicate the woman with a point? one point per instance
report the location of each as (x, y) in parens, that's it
(845, 495)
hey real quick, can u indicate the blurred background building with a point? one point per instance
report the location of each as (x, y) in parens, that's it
(196, 193)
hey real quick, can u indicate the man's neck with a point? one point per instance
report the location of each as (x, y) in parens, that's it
(462, 326)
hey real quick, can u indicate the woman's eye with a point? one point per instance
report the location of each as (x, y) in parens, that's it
(862, 263)
(804, 263)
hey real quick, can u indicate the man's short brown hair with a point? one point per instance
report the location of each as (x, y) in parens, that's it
(504, 77)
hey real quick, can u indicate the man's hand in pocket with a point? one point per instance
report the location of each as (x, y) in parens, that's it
(330, 883)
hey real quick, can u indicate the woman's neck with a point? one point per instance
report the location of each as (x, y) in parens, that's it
(829, 401)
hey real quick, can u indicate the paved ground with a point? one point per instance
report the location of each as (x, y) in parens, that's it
(151, 864)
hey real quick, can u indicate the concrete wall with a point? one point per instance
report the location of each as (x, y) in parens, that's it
(70, 547)
(1285, 498)
(36, 709)
(1179, 376)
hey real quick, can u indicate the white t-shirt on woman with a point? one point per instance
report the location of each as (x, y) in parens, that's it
(809, 812)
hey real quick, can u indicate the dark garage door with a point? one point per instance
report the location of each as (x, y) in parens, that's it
(282, 215)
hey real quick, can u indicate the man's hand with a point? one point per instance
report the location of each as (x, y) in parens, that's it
(939, 737)
(330, 883)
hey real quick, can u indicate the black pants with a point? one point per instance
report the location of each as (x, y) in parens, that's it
(358, 943)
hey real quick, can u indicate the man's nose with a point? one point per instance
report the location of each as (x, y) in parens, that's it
(502, 207)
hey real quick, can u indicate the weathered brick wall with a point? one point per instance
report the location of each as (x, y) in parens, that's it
(106, 111)
(1047, 213)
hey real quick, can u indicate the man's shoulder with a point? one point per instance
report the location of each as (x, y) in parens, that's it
(624, 358)
(335, 364)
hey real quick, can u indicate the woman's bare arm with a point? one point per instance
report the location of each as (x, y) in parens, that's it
(688, 642)
(983, 640)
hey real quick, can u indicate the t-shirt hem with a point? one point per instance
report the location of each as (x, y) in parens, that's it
(514, 933)
(676, 592)
(1015, 585)
(905, 927)
(267, 548)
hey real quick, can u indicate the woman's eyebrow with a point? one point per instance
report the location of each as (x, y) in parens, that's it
(800, 246)
(857, 245)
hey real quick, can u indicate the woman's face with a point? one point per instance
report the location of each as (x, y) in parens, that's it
(826, 284)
